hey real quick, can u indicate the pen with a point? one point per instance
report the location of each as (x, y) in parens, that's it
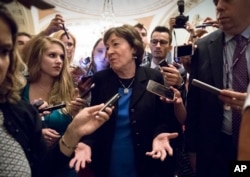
(66, 33)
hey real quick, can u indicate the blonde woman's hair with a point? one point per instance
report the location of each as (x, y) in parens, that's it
(63, 88)
(59, 34)
(14, 80)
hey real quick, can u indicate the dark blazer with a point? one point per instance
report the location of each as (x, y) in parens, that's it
(149, 116)
(204, 109)
(22, 121)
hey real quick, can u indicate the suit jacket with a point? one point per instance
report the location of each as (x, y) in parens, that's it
(204, 109)
(149, 116)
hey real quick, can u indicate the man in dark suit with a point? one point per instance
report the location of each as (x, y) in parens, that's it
(209, 127)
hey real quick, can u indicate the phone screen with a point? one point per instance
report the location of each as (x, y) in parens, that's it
(163, 63)
(85, 78)
(160, 90)
(184, 50)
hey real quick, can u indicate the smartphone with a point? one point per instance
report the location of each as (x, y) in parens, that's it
(85, 78)
(87, 91)
(163, 63)
(160, 90)
(111, 101)
(52, 108)
(206, 86)
(183, 50)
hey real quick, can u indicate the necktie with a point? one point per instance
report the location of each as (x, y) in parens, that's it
(240, 80)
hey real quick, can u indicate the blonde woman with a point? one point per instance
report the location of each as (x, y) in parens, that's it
(69, 41)
(49, 80)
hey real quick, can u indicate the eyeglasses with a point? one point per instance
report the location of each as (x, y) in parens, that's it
(155, 42)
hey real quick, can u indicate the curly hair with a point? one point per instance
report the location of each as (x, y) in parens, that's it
(14, 81)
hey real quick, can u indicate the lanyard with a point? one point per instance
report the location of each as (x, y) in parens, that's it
(229, 69)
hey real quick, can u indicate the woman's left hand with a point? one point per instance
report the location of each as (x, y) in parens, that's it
(82, 156)
(161, 146)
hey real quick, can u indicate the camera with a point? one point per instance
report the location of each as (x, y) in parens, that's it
(180, 20)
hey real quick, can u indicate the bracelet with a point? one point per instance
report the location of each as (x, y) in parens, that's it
(66, 145)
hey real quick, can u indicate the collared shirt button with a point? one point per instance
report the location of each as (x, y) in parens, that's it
(9, 122)
(28, 150)
(17, 130)
(132, 110)
(137, 133)
(134, 121)
(138, 144)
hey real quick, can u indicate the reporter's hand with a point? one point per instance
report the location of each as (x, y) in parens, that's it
(84, 123)
(232, 98)
(77, 103)
(209, 20)
(177, 97)
(77, 72)
(171, 75)
(55, 25)
(171, 23)
(84, 86)
(89, 119)
(50, 136)
(42, 106)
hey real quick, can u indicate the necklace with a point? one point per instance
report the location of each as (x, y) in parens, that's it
(126, 89)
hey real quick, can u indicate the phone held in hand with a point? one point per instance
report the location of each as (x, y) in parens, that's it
(160, 90)
(183, 50)
(111, 101)
(38, 103)
(85, 78)
(52, 108)
(88, 90)
(206, 86)
(163, 63)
